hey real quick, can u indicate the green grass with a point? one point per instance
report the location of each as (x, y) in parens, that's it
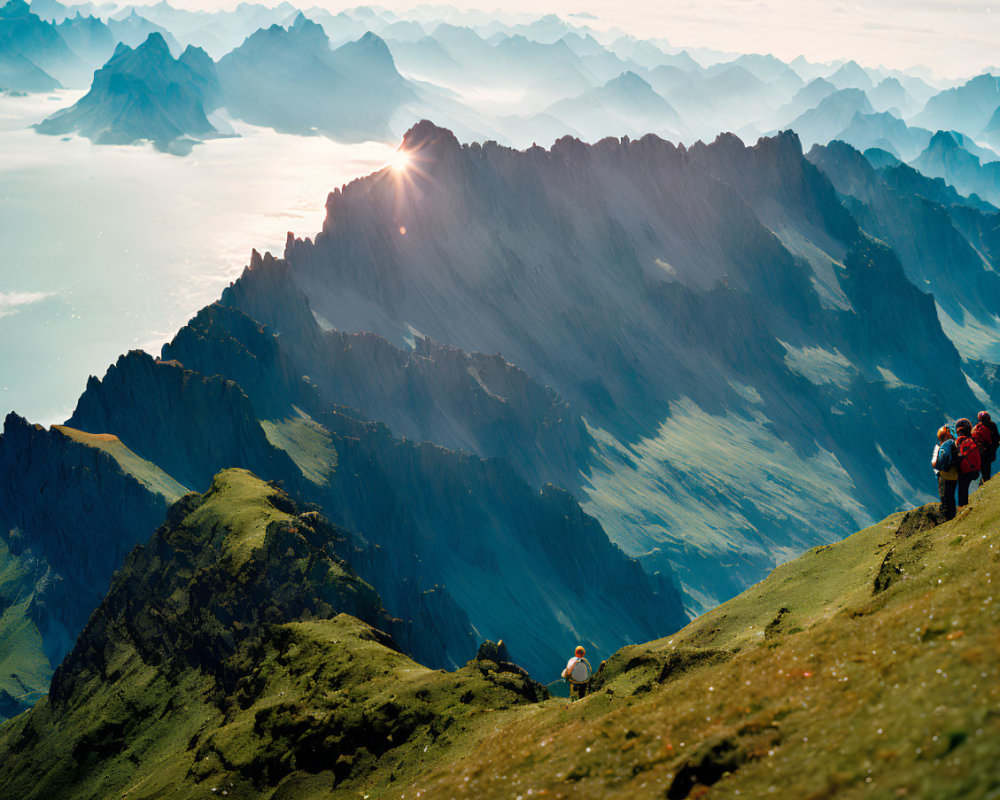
(239, 507)
(307, 443)
(146, 472)
(866, 668)
(854, 693)
(24, 668)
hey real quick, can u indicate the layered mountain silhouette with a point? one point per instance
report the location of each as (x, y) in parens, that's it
(145, 94)
(290, 80)
(955, 158)
(33, 57)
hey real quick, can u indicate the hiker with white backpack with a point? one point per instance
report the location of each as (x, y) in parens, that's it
(577, 672)
(944, 460)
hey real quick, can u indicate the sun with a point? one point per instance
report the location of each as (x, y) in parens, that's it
(399, 161)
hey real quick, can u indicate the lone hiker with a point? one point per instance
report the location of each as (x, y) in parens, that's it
(577, 672)
(988, 438)
(944, 460)
(968, 459)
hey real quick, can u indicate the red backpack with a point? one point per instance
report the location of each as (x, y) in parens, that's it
(983, 436)
(968, 454)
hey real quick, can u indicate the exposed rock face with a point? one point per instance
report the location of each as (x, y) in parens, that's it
(691, 304)
(190, 425)
(429, 392)
(68, 514)
(937, 234)
(460, 543)
(144, 94)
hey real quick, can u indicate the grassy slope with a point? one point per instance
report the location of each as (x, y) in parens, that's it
(146, 472)
(24, 669)
(850, 693)
(320, 700)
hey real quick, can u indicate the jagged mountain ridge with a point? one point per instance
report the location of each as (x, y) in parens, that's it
(604, 271)
(437, 518)
(937, 233)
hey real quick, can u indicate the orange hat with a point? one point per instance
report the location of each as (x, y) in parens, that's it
(944, 433)
(580, 651)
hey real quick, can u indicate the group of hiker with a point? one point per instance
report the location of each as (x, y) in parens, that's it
(960, 458)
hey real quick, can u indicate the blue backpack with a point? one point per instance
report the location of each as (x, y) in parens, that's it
(946, 456)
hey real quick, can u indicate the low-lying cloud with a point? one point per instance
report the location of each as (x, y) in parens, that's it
(12, 302)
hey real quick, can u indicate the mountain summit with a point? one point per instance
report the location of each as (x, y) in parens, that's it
(145, 94)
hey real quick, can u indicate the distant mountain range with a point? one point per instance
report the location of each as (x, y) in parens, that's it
(517, 84)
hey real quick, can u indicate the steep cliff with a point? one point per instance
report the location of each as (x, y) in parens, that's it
(708, 311)
(71, 507)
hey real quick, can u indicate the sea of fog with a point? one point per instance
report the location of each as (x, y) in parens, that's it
(107, 249)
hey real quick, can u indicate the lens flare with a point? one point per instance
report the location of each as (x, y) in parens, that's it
(399, 161)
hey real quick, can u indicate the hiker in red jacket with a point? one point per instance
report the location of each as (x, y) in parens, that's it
(986, 436)
(968, 459)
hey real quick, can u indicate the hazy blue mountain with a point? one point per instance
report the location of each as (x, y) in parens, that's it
(145, 94)
(289, 79)
(610, 270)
(134, 29)
(851, 76)
(626, 105)
(89, 37)
(967, 108)
(767, 69)
(404, 30)
(585, 45)
(834, 113)
(889, 95)
(887, 132)
(25, 34)
(991, 133)
(805, 99)
(808, 70)
(948, 157)
(427, 59)
(20, 74)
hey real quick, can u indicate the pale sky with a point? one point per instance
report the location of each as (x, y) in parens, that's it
(953, 37)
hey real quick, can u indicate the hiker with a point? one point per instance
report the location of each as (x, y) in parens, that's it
(968, 459)
(944, 460)
(577, 672)
(986, 436)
